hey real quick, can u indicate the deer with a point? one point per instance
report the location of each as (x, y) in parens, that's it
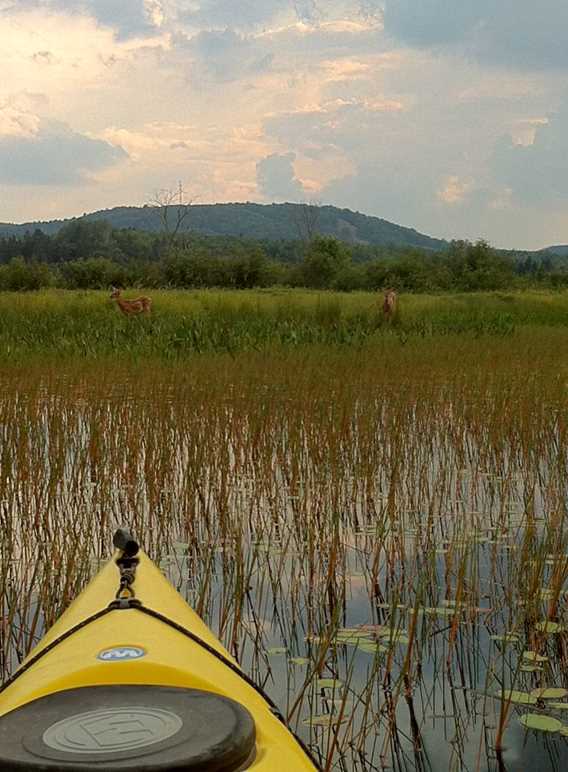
(141, 305)
(389, 303)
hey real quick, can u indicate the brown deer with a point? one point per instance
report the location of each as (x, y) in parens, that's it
(141, 305)
(389, 303)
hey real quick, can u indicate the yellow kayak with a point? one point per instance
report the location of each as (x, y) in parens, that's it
(130, 678)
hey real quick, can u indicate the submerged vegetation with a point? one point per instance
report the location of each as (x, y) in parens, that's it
(370, 514)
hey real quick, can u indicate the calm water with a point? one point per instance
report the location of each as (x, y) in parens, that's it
(384, 585)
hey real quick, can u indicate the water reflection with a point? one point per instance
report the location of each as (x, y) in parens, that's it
(387, 570)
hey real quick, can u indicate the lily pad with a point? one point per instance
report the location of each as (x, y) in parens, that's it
(352, 641)
(552, 628)
(372, 648)
(518, 698)
(532, 656)
(441, 611)
(557, 705)
(540, 723)
(554, 693)
(276, 651)
(393, 633)
(328, 683)
(325, 720)
(506, 638)
(353, 632)
(379, 630)
(300, 661)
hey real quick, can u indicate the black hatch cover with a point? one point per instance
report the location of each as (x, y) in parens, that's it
(119, 727)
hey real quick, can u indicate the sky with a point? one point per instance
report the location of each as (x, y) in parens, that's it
(448, 116)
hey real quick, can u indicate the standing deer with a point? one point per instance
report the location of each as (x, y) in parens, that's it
(389, 303)
(141, 305)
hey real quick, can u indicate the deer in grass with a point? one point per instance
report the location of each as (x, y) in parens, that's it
(389, 303)
(141, 305)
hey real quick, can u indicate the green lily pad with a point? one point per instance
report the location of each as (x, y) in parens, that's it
(379, 630)
(300, 661)
(554, 693)
(552, 628)
(393, 633)
(372, 648)
(532, 656)
(518, 698)
(540, 723)
(352, 641)
(506, 638)
(557, 705)
(328, 683)
(276, 651)
(531, 668)
(353, 632)
(325, 720)
(441, 611)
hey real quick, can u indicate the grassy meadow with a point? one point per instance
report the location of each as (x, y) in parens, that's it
(87, 324)
(370, 515)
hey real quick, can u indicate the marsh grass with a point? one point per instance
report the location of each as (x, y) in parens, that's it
(376, 533)
(87, 324)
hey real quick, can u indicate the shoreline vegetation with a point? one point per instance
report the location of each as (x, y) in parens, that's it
(94, 255)
(87, 324)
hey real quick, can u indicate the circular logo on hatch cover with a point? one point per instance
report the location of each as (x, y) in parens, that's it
(121, 653)
(112, 730)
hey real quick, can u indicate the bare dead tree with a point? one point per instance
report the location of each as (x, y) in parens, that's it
(173, 209)
(306, 219)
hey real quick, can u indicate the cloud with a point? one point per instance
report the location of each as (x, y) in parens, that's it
(520, 34)
(128, 18)
(454, 190)
(218, 14)
(51, 153)
(349, 125)
(537, 172)
(227, 56)
(276, 178)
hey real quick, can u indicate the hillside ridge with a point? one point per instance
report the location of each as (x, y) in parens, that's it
(254, 221)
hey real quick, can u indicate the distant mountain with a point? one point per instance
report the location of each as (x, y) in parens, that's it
(561, 250)
(256, 221)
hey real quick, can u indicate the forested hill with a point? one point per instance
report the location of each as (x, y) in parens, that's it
(255, 221)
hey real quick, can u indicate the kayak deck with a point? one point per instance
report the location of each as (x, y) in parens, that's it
(130, 661)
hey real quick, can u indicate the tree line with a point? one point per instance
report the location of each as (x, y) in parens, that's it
(93, 255)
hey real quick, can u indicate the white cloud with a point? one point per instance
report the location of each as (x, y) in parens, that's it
(536, 171)
(454, 190)
(50, 153)
(289, 99)
(277, 179)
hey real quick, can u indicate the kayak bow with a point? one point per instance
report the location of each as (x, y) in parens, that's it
(138, 684)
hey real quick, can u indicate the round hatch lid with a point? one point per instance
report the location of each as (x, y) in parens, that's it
(128, 727)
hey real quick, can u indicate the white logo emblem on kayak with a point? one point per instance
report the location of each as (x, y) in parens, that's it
(121, 653)
(112, 730)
